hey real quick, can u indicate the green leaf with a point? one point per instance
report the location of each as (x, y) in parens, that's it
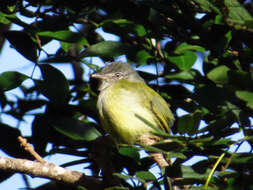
(223, 142)
(124, 24)
(142, 57)
(3, 18)
(66, 36)
(189, 173)
(227, 174)
(130, 152)
(11, 79)
(88, 107)
(207, 5)
(145, 175)
(189, 123)
(185, 55)
(237, 14)
(79, 187)
(168, 146)
(76, 129)
(66, 46)
(242, 158)
(202, 140)
(106, 49)
(175, 155)
(188, 75)
(124, 177)
(240, 79)
(245, 96)
(54, 86)
(184, 61)
(219, 74)
(153, 149)
(23, 43)
(205, 188)
(183, 47)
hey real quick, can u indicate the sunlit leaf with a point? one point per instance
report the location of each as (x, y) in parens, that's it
(106, 49)
(207, 5)
(246, 96)
(237, 14)
(219, 74)
(185, 60)
(66, 36)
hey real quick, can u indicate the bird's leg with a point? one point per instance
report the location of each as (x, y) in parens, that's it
(157, 157)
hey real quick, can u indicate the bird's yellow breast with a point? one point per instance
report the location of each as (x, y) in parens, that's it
(124, 109)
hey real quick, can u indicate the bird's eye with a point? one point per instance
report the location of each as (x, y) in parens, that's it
(117, 75)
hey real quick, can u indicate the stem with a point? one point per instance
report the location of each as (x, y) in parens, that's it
(213, 169)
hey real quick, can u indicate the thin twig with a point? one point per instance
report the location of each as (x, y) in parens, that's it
(28, 147)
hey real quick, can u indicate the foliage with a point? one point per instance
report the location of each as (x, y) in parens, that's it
(172, 34)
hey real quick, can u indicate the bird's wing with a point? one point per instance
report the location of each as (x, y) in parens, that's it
(160, 109)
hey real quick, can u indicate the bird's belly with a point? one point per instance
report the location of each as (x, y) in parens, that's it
(128, 119)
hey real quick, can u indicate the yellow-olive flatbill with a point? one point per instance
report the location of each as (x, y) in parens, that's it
(128, 108)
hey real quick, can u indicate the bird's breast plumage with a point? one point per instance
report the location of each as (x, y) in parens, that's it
(125, 109)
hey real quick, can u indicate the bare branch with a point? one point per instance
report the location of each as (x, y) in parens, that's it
(50, 171)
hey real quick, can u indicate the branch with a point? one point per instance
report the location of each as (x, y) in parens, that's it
(28, 147)
(50, 171)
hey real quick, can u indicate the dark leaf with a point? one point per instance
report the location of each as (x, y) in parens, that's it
(189, 123)
(54, 85)
(189, 173)
(125, 25)
(142, 57)
(189, 75)
(117, 188)
(23, 43)
(76, 129)
(27, 105)
(11, 79)
(145, 175)
(58, 59)
(9, 142)
(130, 152)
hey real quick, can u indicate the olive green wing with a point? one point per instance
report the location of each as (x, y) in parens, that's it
(161, 111)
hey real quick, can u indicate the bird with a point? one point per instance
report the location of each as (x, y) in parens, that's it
(129, 110)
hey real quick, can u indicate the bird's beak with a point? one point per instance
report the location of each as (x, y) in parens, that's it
(98, 76)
